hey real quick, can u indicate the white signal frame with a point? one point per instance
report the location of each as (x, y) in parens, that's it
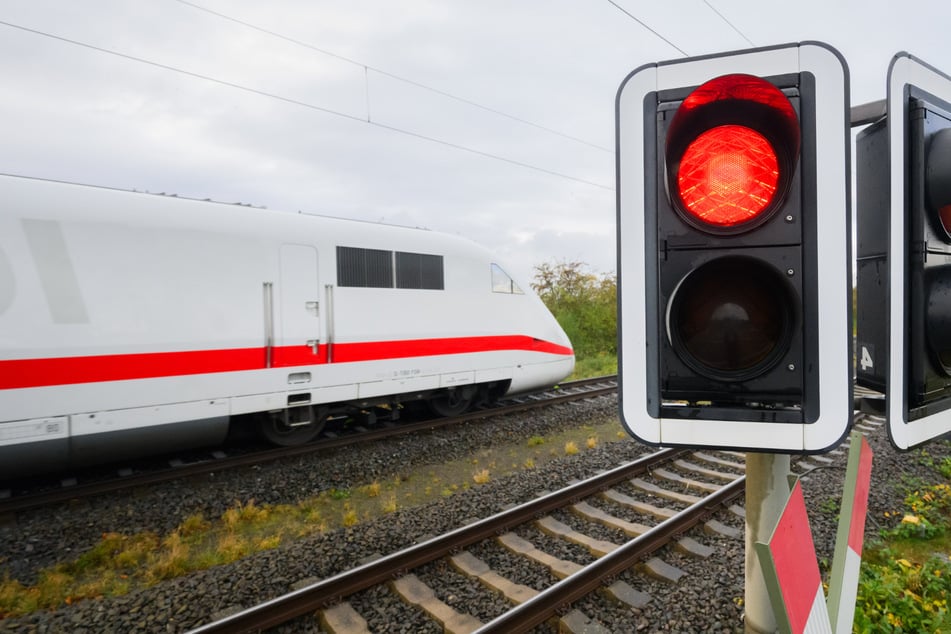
(832, 134)
(905, 70)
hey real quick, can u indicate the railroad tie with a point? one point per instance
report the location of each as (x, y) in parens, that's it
(653, 489)
(417, 593)
(622, 592)
(468, 564)
(660, 569)
(690, 546)
(597, 547)
(558, 567)
(641, 507)
(343, 619)
(805, 466)
(720, 462)
(576, 622)
(631, 529)
(719, 528)
(688, 483)
(686, 465)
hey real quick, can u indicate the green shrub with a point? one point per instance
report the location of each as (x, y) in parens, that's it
(904, 584)
(896, 595)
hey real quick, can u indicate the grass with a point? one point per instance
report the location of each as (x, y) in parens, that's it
(120, 563)
(603, 364)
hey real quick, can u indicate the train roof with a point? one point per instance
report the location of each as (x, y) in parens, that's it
(59, 200)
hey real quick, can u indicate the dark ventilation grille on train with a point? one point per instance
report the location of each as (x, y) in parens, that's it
(374, 268)
(379, 268)
(365, 268)
(418, 270)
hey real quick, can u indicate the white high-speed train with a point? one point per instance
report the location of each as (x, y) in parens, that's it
(135, 323)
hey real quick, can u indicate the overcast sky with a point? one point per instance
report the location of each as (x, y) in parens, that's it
(486, 118)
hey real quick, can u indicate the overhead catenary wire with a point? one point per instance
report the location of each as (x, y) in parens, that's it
(655, 32)
(646, 26)
(731, 25)
(303, 104)
(400, 78)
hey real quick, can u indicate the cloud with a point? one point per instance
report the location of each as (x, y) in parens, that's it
(78, 114)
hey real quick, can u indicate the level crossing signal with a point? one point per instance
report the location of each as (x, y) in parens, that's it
(734, 250)
(903, 210)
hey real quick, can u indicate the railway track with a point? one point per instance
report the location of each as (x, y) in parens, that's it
(22, 496)
(645, 505)
(622, 519)
(697, 588)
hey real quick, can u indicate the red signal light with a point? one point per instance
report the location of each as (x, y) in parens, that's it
(732, 148)
(728, 175)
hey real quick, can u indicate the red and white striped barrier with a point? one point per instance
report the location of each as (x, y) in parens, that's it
(789, 558)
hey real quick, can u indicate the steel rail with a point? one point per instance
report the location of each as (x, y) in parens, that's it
(328, 591)
(91, 489)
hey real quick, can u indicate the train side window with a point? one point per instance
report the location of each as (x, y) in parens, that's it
(364, 268)
(419, 270)
(503, 283)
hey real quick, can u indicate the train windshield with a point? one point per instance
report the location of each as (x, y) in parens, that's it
(502, 282)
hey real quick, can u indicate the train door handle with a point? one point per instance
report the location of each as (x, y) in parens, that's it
(314, 344)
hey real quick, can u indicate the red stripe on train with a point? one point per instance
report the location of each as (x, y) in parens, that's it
(22, 373)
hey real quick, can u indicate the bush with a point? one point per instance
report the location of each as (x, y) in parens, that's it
(585, 304)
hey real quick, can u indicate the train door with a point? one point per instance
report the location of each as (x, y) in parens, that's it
(298, 346)
(299, 301)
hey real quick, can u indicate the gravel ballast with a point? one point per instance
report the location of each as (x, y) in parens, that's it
(707, 599)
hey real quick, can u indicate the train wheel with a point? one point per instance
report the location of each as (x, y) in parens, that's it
(453, 402)
(291, 427)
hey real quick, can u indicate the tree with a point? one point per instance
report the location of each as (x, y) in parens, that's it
(584, 303)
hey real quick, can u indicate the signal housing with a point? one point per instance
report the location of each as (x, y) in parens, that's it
(903, 182)
(741, 342)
